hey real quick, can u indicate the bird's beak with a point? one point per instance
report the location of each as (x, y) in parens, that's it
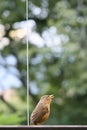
(51, 96)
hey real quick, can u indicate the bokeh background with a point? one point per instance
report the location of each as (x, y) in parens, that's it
(57, 34)
(13, 73)
(58, 58)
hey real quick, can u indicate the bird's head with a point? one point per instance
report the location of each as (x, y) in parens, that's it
(47, 98)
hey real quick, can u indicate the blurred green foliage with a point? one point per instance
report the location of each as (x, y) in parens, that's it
(62, 72)
(59, 69)
(13, 110)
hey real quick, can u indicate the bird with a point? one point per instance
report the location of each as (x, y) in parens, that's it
(42, 110)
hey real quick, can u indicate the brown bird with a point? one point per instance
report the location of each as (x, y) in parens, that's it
(42, 110)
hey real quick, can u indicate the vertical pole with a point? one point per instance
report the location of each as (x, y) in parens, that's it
(27, 51)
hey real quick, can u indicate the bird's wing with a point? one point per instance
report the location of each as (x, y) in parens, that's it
(38, 113)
